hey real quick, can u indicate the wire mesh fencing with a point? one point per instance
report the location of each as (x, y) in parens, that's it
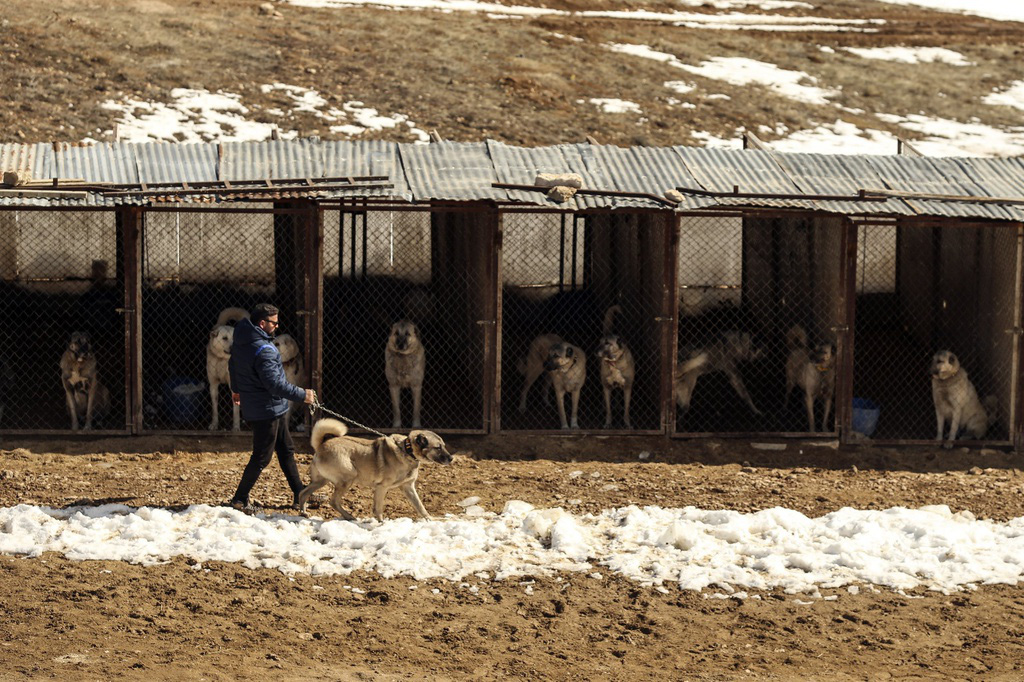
(924, 289)
(759, 311)
(63, 360)
(582, 319)
(202, 271)
(407, 302)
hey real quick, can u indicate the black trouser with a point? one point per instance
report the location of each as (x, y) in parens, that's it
(268, 436)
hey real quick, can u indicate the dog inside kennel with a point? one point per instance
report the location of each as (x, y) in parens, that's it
(759, 310)
(583, 315)
(407, 310)
(202, 271)
(63, 360)
(925, 288)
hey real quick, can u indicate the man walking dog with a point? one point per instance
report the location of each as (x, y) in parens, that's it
(259, 384)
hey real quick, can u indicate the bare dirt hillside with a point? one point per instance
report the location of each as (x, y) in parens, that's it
(471, 77)
(110, 620)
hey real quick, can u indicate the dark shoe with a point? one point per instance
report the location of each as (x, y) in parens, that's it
(244, 507)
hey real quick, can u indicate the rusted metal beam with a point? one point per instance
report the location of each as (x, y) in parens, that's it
(862, 195)
(871, 194)
(595, 192)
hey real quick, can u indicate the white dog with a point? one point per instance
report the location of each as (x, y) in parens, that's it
(294, 369)
(218, 352)
(956, 399)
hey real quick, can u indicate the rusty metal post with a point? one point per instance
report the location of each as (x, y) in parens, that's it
(491, 332)
(845, 330)
(312, 229)
(1017, 417)
(130, 224)
(668, 320)
(493, 355)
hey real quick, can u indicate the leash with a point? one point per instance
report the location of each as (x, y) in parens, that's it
(317, 405)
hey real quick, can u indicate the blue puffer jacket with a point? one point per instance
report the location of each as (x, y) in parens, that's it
(258, 375)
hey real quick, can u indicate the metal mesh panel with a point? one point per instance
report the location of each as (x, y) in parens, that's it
(405, 291)
(594, 283)
(196, 265)
(923, 288)
(59, 276)
(759, 303)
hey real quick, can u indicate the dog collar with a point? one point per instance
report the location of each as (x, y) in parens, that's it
(408, 447)
(822, 368)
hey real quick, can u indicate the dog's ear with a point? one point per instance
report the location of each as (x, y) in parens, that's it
(422, 441)
(214, 332)
(952, 359)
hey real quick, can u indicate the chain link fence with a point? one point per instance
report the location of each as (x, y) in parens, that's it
(924, 288)
(582, 313)
(204, 267)
(759, 308)
(411, 305)
(407, 302)
(60, 279)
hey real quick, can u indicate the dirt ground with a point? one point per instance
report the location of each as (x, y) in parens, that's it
(108, 620)
(469, 77)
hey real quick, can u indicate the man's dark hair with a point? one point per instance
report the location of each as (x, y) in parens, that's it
(263, 311)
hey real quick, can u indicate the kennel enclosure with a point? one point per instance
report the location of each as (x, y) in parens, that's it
(884, 259)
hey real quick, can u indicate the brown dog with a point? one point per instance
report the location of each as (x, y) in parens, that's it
(724, 355)
(565, 367)
(382, 464)
(813, 370)
(617, 368)
(405, 361)
(86, 397)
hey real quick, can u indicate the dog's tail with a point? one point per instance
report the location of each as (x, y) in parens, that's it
(324, 429)
(796, 337)
(609, 318)
(991, 404)
(231, 316)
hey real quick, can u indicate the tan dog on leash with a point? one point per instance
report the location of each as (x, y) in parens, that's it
(382, 464)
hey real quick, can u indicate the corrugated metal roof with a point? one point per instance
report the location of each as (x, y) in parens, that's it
(936, 176)
(449, 171)
(246, 160)
(748, 171)
(35, 160)
(364, 158)
(652, 170)
(466, 172)
(839, 176)
(163, 162)
(520, 166)
(112, 162)
(1002, 178)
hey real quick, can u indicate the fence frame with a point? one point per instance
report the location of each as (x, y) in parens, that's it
(308, 220)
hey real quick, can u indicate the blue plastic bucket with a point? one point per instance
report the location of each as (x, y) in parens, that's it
(183, 399)
(865, 415)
